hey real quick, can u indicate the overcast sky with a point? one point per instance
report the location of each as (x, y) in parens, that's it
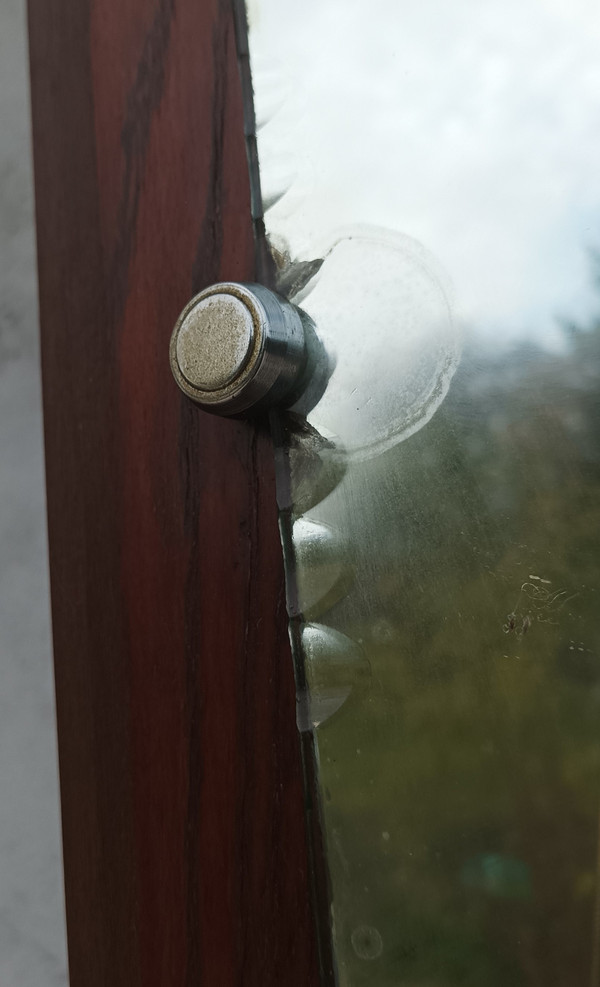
(472, 126)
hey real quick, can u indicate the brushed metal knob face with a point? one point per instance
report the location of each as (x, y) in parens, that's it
(237, 347)
(215, 341)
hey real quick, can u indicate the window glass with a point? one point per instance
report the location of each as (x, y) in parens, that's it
(430, 177)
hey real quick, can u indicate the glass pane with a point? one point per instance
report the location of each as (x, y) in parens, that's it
(431, 176)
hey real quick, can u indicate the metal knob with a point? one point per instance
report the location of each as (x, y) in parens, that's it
(237, 347)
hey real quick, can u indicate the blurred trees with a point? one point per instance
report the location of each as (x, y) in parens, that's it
(462, 787)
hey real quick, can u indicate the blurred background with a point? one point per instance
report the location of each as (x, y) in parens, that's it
(32, 934)
(453, 661)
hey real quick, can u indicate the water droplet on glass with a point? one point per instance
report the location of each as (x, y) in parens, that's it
(367, 942)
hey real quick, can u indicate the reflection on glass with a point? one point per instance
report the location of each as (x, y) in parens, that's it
(440, 499)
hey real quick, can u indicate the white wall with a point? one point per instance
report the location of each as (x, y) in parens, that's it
(32, 936)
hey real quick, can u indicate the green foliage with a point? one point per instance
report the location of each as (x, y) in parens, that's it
(462, 786)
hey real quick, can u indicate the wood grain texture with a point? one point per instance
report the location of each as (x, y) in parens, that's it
(181, 781)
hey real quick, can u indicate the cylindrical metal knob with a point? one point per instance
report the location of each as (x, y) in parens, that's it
(237, 347)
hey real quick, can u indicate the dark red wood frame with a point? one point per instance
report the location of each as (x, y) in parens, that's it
(181, 781)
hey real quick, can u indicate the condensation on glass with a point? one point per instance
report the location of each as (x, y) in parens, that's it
(431, 178)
